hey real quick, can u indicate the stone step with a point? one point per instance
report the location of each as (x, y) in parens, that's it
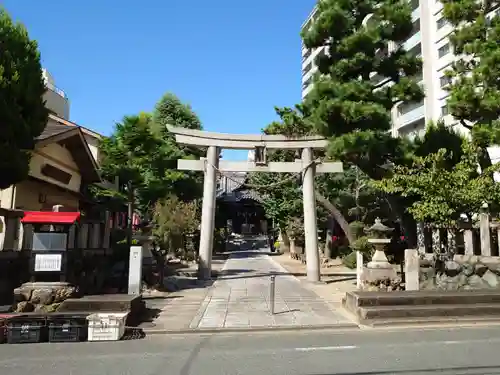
(103, 303)
(356, 299)
(420, 311)
(434, 320)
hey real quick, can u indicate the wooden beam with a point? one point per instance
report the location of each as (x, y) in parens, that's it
(272, 167)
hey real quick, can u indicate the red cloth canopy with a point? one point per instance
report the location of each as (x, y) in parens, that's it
(50, 217)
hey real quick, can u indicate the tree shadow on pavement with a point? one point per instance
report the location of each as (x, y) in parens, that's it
(226, 274)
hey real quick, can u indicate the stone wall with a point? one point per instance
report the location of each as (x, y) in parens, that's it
(40, 297)
(463, 273)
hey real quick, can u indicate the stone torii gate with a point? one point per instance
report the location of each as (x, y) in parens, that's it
(214, 142)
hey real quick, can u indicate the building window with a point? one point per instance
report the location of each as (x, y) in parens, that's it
(440, 23)
(444, 50)
(56, 174)
(445, 111)
(414, 4)
(444, 81)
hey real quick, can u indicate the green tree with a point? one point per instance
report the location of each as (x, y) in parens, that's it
(443, 193)
(365, 73)
(361, 79)
(174, 219)
(141, 160)
(474, 77)
(23, 115)
(143, 153)
(170, 110)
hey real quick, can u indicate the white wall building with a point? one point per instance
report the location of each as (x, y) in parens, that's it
(430, 41)
(55, 99)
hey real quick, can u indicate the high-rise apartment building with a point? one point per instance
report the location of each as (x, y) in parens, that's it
(430, 41)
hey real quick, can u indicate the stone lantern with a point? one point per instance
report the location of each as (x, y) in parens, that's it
(379, 267)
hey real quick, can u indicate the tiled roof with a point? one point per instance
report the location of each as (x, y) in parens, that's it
(240, 195)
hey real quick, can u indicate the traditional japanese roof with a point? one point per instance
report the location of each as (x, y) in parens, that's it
(72, 138)
(240, 195)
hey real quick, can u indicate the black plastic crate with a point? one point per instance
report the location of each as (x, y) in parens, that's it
(26, 329)
(67, 328)
(3, 329)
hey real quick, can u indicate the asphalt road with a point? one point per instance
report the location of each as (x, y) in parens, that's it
(453, 352)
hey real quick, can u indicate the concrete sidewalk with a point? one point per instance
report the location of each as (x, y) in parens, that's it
(240, 298)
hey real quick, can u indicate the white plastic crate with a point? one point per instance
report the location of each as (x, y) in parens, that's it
(106, 326)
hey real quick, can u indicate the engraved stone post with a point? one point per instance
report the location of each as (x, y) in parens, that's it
(452, 241)
(412, 269)
(420, 238)
(468, 242)
(436, 241)
(484, 231)
(359, 268)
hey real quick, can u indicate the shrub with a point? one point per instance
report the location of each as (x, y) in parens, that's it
(349, 260)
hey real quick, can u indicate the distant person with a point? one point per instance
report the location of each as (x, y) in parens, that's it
(271, 239)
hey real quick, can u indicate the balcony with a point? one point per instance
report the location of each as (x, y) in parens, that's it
(56, 101)
(415, 15)
(409, 113)
(56, 89)
(413, 41)
(306, 90)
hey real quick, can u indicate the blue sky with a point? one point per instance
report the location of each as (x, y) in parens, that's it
(233, 61)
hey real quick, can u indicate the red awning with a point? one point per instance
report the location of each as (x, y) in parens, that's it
(49, 217)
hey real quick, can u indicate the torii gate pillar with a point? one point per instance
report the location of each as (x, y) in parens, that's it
(208, 214)
(310, 218)
(216, 141)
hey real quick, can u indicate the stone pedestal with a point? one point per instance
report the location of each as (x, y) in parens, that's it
(373, 275)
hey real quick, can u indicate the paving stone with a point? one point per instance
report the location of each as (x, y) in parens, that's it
(245, 296)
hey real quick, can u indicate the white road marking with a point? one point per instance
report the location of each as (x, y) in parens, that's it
(395, 345)
(326, 348)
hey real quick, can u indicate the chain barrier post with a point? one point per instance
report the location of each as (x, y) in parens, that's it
(272, 292)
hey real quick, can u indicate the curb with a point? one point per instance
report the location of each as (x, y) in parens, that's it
(201, 331)
(430, 322)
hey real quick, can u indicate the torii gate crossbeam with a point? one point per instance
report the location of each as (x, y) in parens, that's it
(217, 141)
